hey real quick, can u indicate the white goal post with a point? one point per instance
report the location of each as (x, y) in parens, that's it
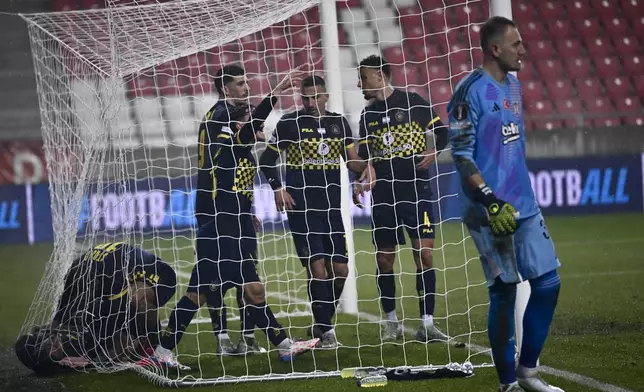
(122, 91)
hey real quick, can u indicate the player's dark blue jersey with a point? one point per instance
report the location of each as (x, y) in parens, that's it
(314, 148)
(102, 275)
(486, 127)
(394, 131)
(226, 164)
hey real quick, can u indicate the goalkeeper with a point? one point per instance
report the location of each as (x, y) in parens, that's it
(395, 136)
(227, 244)
(498, 204)
(315, 140)
(93, 323)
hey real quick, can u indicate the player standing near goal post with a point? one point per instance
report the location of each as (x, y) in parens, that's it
(395, 135)
(227, 244)
(315, 140)
(499, 207)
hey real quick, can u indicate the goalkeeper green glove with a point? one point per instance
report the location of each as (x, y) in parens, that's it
(502, 215)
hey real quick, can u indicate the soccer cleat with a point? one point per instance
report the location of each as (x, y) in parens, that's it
(430, 333)
(314, 332)
(391, 330)
(225, 346)
(329, 340)
(249, 346)
(297, 348)
(537, 384)
(165, 358)
(514, 387)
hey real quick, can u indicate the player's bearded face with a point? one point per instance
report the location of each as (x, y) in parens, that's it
(511, 51)
(237, 89)
(314, 99)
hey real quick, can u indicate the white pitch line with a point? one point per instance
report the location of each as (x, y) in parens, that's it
(607, 273)
(570, 376)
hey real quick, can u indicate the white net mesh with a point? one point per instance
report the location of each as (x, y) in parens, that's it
(122, 91)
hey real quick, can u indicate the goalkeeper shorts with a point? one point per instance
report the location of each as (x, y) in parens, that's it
(528, 254)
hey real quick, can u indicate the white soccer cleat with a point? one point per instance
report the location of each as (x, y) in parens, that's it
(164, 357)
(537, 384)
(296, 349)
(329, 340)
(514, 387)
(225, 347)
(391, 330)
(430, 333)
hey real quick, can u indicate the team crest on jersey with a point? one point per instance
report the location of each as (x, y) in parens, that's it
(516, 109)
(388, 139)
(335, 130)
(323, 149)
(400, 116)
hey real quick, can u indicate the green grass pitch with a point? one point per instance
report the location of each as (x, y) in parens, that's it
(598, 329)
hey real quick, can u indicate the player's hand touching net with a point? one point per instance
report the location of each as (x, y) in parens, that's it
(283, 200)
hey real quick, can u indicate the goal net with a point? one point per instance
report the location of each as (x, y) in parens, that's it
(122, 91)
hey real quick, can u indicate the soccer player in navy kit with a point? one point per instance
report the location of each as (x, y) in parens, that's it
(487, 136)
(395, 138)
(227, 245)
(315, 140)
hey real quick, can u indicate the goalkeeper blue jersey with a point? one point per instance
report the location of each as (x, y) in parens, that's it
(486, 127)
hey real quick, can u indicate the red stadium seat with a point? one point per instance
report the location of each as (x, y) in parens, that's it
(632, 7)
(578, 9)
(217, 60)
(436, 68)
(395, 55)
(617, 87)
(298, 21)
(630, 110)
(428, 51)
(605, 8)
(542, 110)
(416, 37)
(404, 75)
(195, 65)
(559, 88)
(142, 85)
(602, 112)
(410, 16)
(633, 65)
(430, 4)
(441, 91)
(302, 39)
(435, 19)
(313, 15)
(275, 42)
(423, 91)
(540, 49)
(281, 62)
(533, 31)
(65, 5)
(169, 85)
(638, 26)
(577, 67)
(464, 15)
(560, 29)
(254, 63)
(549, 10)
(528, 70)
(625, 46)
(92, 4)
(638, 84)
(251, 43)
(203, 85)
(616, 27)
(475, 35)
(588, 88)
(461, 58)
(550, 68)
(477, 55)
(587, 28)
(524, 12)
(532, 91)
(568, 47)
(572, 112)
(606, 67)
(597, 46)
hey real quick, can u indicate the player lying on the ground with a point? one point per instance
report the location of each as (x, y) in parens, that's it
(229, 83)
(227, 244)
(107, 313)
(315, 140)
(499, 207)
(396, 136)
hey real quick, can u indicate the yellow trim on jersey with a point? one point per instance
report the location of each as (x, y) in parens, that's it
(364, 141)
(117, 296)
(272, 147)
(223, 136)
(237, 138)
(433, 120)
(349, 145)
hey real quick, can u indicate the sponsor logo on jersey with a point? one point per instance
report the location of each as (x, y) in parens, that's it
(510, 133)
(323, 149)
(400, 116)
(388, 139)
(307, 130)
(496, 108)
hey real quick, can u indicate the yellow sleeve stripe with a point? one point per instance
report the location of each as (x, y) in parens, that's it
(238, 139)
(433, 120)
(349, 145)
(273, 147)
(364, 141)
(117, 296)
(223, 136)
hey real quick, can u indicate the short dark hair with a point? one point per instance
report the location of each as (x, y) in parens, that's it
(491, 30)
(225, 74)
(378, 63)
(312, 80)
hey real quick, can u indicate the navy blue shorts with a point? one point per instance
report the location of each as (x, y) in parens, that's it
(226, 254)
(318, 235)
(394, 211)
